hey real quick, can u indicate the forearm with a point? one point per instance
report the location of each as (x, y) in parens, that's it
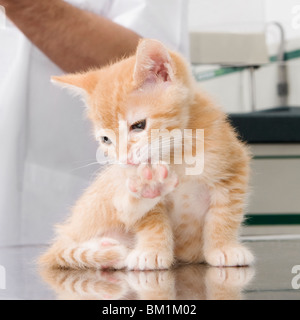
(72, 38)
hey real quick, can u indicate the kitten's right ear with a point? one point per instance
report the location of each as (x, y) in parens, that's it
(81, 84)
(153, 63)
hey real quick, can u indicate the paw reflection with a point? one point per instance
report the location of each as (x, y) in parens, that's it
(227, 283)
(198, 282)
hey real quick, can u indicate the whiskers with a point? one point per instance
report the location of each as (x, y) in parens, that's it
(85, 166)
(101, 166)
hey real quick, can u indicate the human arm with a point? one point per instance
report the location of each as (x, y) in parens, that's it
(72, 38)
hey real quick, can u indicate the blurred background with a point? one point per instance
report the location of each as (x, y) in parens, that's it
(247, 56)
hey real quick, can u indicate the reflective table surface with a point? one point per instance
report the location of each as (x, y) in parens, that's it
(275, 275)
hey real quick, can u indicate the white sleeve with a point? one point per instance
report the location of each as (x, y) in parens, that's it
(164, 20)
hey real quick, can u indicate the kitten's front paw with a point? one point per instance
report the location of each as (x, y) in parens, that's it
(152, 181)
(229, 256)
(149, 260)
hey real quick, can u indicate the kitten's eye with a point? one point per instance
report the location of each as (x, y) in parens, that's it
(105, 140)
(139, 125)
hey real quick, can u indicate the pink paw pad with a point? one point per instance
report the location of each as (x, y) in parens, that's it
(147, 173)
(162, 172)
(107, 243)
(150, 193)
(152, 181)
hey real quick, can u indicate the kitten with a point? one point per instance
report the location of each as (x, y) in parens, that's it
(145, 214)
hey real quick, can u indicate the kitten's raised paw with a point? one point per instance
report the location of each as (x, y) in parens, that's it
(229, 256)
(148, 260)
(152, 181)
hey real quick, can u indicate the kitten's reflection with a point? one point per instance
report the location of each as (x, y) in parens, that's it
(184, 282)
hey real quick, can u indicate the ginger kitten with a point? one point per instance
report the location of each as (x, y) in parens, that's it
(142, 213)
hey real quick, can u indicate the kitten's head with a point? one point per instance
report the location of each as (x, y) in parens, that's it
(127, 100)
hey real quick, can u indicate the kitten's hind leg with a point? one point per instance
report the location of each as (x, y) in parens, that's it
(98, 253)
(221, 245)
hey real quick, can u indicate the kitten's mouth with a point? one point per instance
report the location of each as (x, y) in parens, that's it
(130, 162)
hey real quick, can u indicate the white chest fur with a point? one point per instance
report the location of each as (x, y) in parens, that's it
(189, 200)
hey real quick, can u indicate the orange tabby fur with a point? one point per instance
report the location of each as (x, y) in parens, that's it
(148, 216)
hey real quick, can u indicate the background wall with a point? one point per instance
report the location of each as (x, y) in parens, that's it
(287, 12)
(275, 170)
(226, 15)
(242, 16)
(233, 90)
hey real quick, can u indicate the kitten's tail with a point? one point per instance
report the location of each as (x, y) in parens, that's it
(90, 254)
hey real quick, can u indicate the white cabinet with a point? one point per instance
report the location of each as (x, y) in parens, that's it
(275, 179)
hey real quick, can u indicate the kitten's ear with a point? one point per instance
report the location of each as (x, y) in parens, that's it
(153, 63)
(78, 83)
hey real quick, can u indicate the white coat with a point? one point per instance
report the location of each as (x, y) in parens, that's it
(44, 139)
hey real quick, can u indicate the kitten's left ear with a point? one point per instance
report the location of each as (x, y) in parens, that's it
(153, 63)
(78, 83)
